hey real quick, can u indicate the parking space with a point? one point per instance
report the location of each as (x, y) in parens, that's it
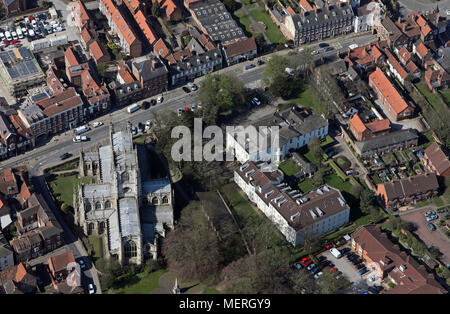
(344, 266)
(434, 238)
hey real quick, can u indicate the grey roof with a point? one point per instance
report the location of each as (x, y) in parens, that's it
(156, 186)
(114, 232)
(144, 67)
(313, 19)
(337, 67)
(50, 232)
(4, 251)
(129, 217)
(91, 156)
(389, 139)
(34, 238)
(194, 45)
(96, 190)
(195, 61)
(106, 163)
(122, 142)
(306, 167)
(20, 66)
(217, 21)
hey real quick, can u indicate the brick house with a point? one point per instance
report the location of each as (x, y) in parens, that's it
(126, 89)
(152, 74)
(408, 191)
(240, 51)
(81, 16)
(363, 131)
(435, 159)
(388, 261)
(389, 96)
(18, 280)
(22, 249)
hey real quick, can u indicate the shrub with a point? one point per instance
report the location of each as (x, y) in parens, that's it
(391, 285)
(65, 208)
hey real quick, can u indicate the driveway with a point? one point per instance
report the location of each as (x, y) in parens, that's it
(429, 237)
(404, 124)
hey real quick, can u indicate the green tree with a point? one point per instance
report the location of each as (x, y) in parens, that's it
(65, 208)
(367, 200)
(231, 5)
(315, 149)
(101, 70)
(274, 69)
(282, 86)
(260, 42)
(156, 6)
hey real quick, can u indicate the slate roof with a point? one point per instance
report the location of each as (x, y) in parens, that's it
(386, 140)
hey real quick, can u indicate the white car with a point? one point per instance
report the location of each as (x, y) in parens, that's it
(160, 99)
(148, 125)
(97, 124)
(318, 275)
(91, 288)
(256, 101)
(179, 111)
(80, 138)
(193, 107)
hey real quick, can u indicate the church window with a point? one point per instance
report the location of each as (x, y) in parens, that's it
(87, 206)
(155, 201)
(125, 177)
(98, 205)
(130, 249)
(107, 204)
(165, 200)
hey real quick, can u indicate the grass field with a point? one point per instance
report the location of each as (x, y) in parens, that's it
(438, 201)
(98, 246)
(446, 95)
(305, 186)
(336, 182)
(289, 168)
(309, 99)
(146, 284)
(272, 31)
(239, 204)
(63, 187)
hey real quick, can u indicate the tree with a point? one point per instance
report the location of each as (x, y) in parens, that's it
(101, 69)
(275, 68)
(282, 87)
(329, 284)
(156, 6)
(315, 149)
(65, 208)
(303, 282)
(231, 5)
(192, 248)
(260, 42)
(317, 179)
(367, 200)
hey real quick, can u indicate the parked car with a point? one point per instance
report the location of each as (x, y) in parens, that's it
(148, 124)
(140, 127)
(186, 90)
(97, 124)
(65, 156)
(311, 266)
(152, 102)
(82, 264)
(363, 271)
(321, 258)
(260, 62)
(431, 226)
(323, 45)
(345, 250)
(318, 275)
(256, 101)
(146, 104)
(315, 270)
(179, 111)
(160, 99)
(91, 288)
(248, 66)
(359, 266)
(133, 130)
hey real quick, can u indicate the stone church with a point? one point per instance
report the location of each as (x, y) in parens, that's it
(125, 206)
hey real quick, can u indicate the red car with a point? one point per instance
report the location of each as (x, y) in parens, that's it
(31, 18)
(11, 42)
(15, 41)
(333, 268)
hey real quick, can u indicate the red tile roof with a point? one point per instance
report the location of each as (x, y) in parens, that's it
(388, 90)
(83, 15)
(86, 35)
(96, 51)
(160, 48)
(404, 54)
(240, 47)
(125, 74)
(60, 262)
(168, 6)
(379, 125)
(411, 67)
(397, 66)
(120, 21)
(357, 123)
(132, 5)
(71, 57)
(290, 10)
(411, 278)
(305, 5)
(422, 49)
(146, 28)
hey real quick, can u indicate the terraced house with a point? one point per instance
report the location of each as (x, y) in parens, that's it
(330, 21)
(298, 216)
(120, 27)
(408, 191)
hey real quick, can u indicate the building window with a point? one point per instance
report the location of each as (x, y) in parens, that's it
(155, 201)
(125, 177)
(165, 200)
(130, 249)
(107, 204)
(98, 205)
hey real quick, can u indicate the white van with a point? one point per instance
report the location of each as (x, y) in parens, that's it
(19, 32)
(8, 35)
(335, 252)
(81, 129)
(133, 108)
(2, 36)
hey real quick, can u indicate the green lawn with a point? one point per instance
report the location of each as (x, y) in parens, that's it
(342, 162)
(309, 99)
(328, 140)
(146, 284)
(63, 187)
(438, 201)
(239, 203)
(446, 95)
(98, 246)
(305, 186)
(244, 20)
(289, 168)
(272, 31)
(336, 182)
